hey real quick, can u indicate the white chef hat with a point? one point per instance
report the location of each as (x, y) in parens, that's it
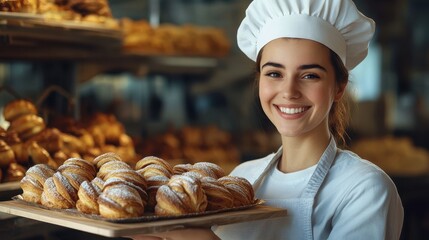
(337, 24)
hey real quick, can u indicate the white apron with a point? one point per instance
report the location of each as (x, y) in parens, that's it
(298, 222)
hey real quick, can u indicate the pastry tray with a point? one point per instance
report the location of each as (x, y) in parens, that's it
(142, 225)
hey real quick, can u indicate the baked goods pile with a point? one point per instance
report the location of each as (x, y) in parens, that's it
(193, 144)
(111, 188)
(396, 155)
(29, 140)
(171, 39)
(95, 11)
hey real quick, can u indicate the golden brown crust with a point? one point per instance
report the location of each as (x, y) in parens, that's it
(88, 195)
(27, 126)
(181, 195)
(241, 190)
(208, 169)
(120, 201)
(104, 158)
(7, 155)
(16, 108)
(149, 160)
(38, 154)
(182, 168)
(218, 196)
(33, 181)
(111, 166)
(14, 172)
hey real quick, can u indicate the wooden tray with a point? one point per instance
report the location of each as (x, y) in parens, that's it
(110, 229)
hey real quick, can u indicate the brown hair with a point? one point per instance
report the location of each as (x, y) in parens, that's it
(339, 114)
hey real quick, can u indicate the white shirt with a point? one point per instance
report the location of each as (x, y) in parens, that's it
(357, 200)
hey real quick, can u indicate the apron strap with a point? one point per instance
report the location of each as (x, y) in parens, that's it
(321, 170)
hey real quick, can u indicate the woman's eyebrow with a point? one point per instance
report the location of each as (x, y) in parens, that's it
(310, 66)
(273, 64)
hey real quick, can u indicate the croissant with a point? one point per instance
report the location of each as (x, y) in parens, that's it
(149, 160)
(58, 192)
(88, 195)
(32, 183)
(111, 166)
(130, 176)
(218, 196)
(17, 108)
(88, 169)
(15, 172)
(120, 200)
(208, 169)
(104, 158)
(182, 168)
(241, 189)
(181, 195)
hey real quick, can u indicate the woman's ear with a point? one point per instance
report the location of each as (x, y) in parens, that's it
(340, 92)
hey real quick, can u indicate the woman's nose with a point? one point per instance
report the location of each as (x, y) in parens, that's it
(290, 89)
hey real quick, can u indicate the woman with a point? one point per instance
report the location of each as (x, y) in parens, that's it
(303, 51)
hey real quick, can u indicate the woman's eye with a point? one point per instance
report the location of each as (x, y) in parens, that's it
(310, 76)
(273, 74)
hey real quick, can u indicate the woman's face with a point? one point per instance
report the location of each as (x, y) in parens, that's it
(297, 86)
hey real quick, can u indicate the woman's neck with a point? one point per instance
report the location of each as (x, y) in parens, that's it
(302, 152)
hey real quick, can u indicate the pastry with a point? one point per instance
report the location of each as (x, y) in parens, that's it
(88, 194)
(7, 155)
(27, 126)
(58, 192)
(111, 166)
(181, 168)
(32, 183)
(146, 161)
(181, 195)
(17, 108)
(83, 167)
(241, 190)
(218, 196)
(155, 175)
(208, 169)
(130, 176)
(49, 139)
(120, 200)
(104, 158)
(14, 172)
(38, 154)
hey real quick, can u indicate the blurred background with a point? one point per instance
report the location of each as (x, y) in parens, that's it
(184, 92)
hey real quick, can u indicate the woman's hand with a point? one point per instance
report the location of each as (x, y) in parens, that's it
(183, 234)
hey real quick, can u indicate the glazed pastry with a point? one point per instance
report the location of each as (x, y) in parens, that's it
(14, 172)
(16, 108)
(120, 200)
(111, 166)
(241, 190)
(88, 195)
(182, 168)
(218, 196)
(208, 169)
(32, 183)
(58, 192)
(181, 195)
(7, 155)
(104, 158)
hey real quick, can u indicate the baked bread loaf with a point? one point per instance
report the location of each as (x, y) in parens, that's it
(218, 196)
(120, 200)
(88, 195)
(58, 192)
(241, 190)
(33, 181)
(182, 195)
